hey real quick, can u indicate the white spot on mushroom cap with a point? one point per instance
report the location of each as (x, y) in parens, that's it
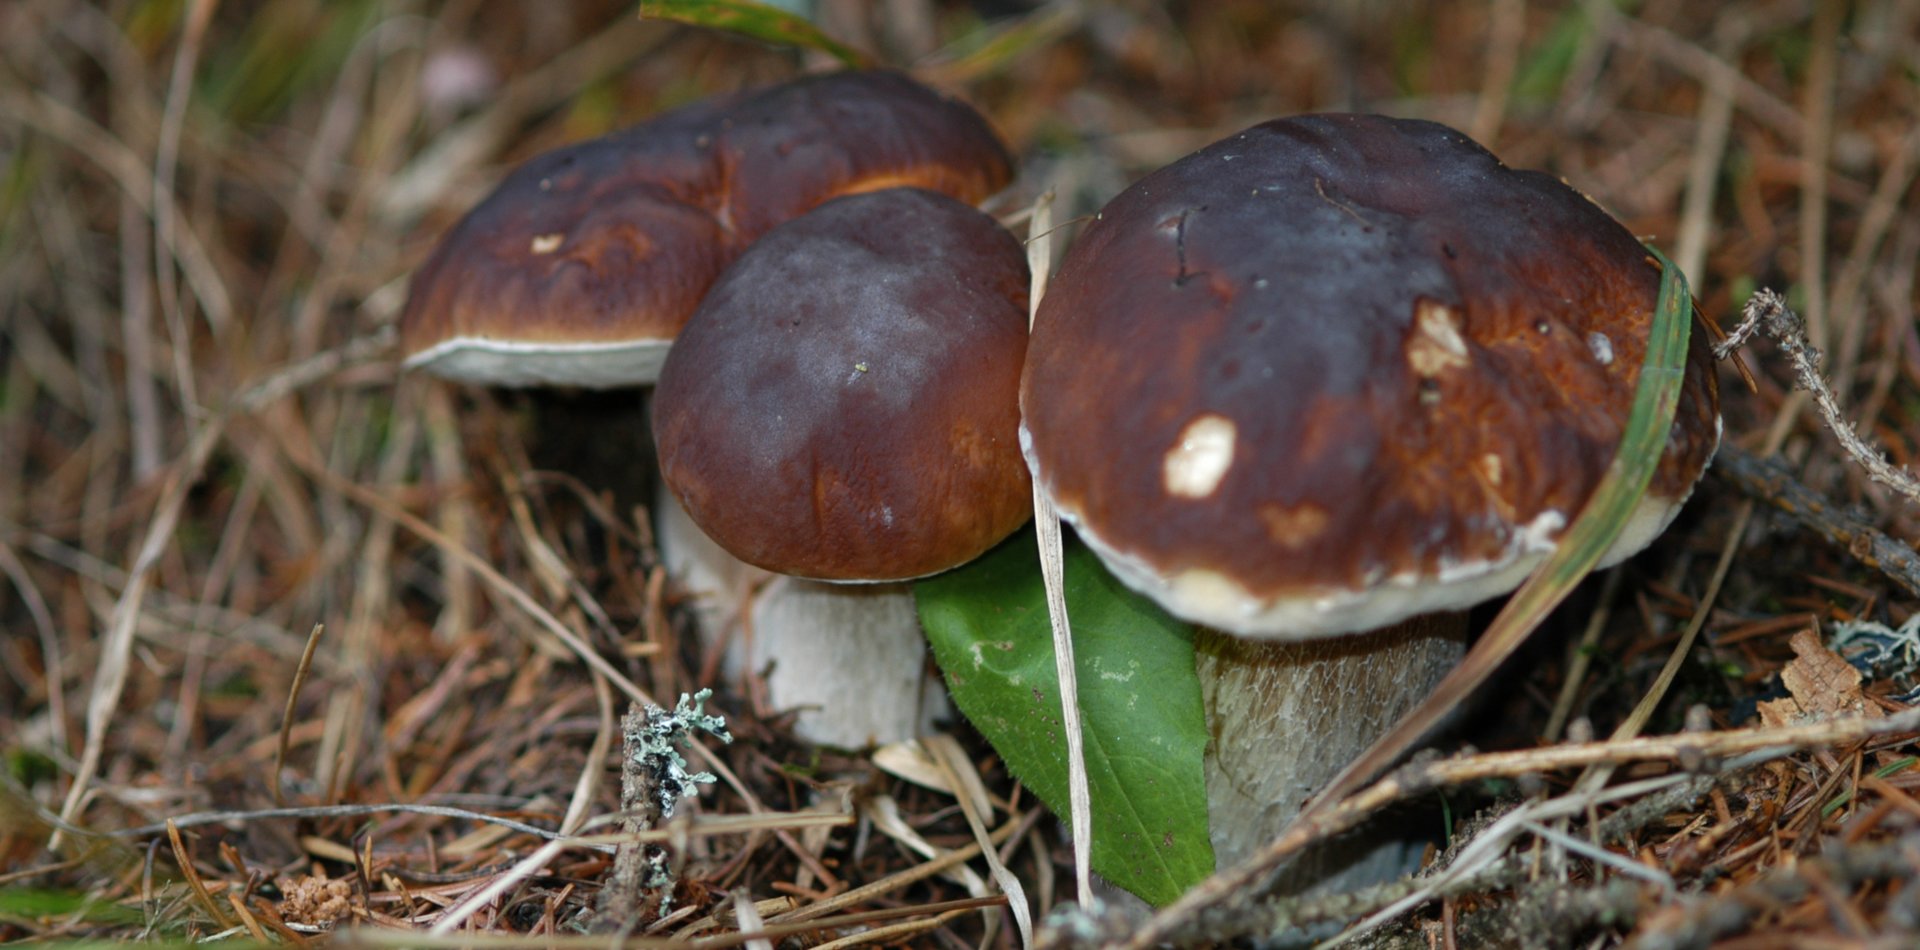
(547, 243)
(1436, 344)
(1601, 346)
(1195, 465)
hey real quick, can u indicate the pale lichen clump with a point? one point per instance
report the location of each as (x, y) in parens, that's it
(657, 749)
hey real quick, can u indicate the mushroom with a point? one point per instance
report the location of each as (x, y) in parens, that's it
(1319, 387)
(581, 268)
(843, 410)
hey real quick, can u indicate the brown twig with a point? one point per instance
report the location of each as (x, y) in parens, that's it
(1770, 481)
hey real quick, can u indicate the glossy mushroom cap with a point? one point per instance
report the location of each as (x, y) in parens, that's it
(844, 406)
(1340, 370)
(582, 266)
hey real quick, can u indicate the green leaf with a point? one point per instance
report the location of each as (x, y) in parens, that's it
(1140, 704)
(758, 20)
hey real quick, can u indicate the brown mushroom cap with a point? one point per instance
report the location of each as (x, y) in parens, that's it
(1339, 370)
(844, 405)
(582, 266)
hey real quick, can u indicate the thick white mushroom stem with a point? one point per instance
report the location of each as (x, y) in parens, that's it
(849, 658)
(1285, 717)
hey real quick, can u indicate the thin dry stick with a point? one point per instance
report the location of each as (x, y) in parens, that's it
(1818, 108)
(372, 597)
(586, 787)
(1767, 310)
(892, 932)
(1696, 227)
(144, 428)
(1644, 709)
(286, 718)
(165, 163)
(543, 617)
(1598, 774)
(519, 597)
(499, 582)
(332, 811)
(414, 939)
(1047, 526)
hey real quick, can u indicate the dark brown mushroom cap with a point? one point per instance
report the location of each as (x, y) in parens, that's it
(1338, 370)
(844, 405)
(798, 145)
(582, 266)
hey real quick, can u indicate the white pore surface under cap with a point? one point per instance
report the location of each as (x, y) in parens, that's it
(490, 362)
(1211, 598)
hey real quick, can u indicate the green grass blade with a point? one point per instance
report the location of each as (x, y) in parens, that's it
(758, 20)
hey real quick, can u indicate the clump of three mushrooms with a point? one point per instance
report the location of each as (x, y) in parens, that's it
(1335, 374)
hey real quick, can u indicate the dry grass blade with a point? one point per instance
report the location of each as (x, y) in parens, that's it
(1052, 573)
(750, 922)
(192, 875)
(165, 166)
(968, 791)
(457, 914)
(894, 882)
(286, 717)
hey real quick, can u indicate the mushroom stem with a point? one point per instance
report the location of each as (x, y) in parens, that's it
(849, 658)
(1286, 716)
